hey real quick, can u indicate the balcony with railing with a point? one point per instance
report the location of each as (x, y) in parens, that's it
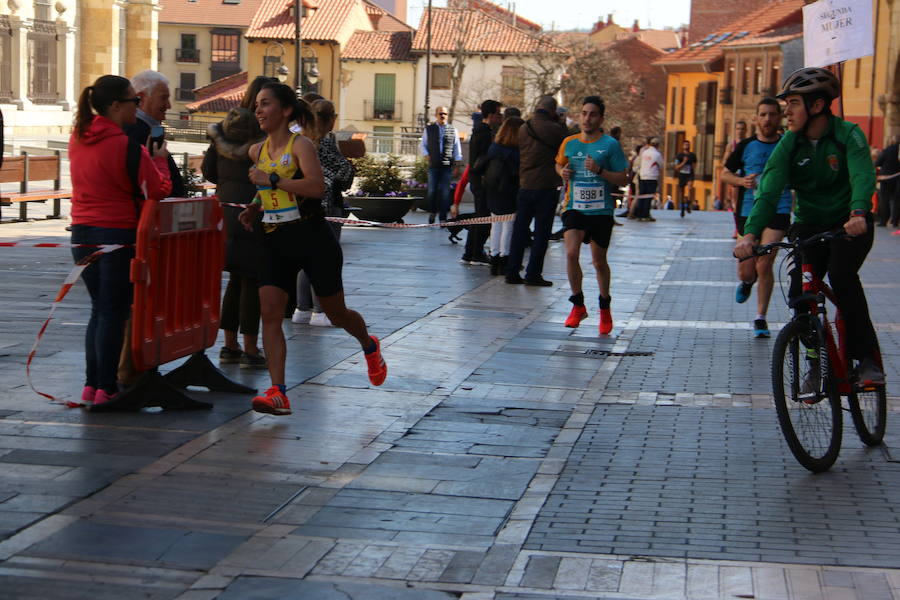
(188, 55)
(184, 94)
(726, 96)
(381, 111)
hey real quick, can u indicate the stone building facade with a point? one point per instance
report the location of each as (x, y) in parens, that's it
(50, 50)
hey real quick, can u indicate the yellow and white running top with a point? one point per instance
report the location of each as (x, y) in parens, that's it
(279, 206)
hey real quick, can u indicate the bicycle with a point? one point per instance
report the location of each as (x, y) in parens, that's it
(811, 371)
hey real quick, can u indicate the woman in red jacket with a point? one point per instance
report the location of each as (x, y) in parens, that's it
(105, 210)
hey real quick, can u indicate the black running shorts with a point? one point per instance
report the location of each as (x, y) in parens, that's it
(597, 228)
(308, 245)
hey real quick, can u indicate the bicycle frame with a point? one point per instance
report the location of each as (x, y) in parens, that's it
(813, 285)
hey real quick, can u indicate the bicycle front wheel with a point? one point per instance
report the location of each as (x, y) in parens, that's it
(806, 399)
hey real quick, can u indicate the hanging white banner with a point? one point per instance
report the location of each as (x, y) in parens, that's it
(837, 30)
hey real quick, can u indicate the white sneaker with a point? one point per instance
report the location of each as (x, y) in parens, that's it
(319, 319)
(301, 316)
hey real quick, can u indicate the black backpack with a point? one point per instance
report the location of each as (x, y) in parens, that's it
(500, 176)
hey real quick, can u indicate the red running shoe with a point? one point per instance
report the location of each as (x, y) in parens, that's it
(377, 366)
(274, 402)
(606, 322)
(578, 314)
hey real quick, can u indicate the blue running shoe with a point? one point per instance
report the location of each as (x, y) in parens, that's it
(761, 328)
(742, 292)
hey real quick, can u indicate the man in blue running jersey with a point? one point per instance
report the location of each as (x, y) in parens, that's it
(743, 169)
(592, 166)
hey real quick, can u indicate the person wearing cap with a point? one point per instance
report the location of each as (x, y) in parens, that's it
(826, 161)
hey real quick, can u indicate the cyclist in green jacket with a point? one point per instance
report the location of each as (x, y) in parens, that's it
(826, 161)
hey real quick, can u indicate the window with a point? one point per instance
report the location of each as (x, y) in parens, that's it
(385, 94)
(186, 84)
(758, 79)
(225, 53)
(188, 51)
(512, 86)
(5, 59)
(123, 41)
(729, 74)
(774, 78)
(440, 77)
(42, 63)
(857, 67)
(673, 103)
(745, 79)
(42, 10)
(681, 108)
(384, 138)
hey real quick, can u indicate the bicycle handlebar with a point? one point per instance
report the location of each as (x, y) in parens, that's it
(825, 236)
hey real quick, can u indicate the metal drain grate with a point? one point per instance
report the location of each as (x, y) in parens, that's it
(594, 352)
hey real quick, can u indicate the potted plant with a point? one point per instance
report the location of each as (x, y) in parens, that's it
(417, 184)
(379, 195)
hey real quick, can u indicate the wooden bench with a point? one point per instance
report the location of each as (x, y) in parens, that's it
(25, 169)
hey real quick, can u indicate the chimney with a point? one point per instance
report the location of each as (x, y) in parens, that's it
(635, 28)
(609, 19)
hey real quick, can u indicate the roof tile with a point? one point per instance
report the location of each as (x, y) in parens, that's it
(378, 45)
(775, 14)
(221, 95)
(273, 20)
(208, 12)
(482, 34)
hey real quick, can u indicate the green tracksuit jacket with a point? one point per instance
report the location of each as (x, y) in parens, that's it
(831, 178)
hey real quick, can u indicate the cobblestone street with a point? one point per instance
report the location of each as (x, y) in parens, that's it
(505, 457)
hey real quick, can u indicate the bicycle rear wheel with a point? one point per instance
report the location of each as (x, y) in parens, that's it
(806, 399)
(869, 410)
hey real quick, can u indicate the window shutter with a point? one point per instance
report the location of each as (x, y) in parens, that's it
(385, 90)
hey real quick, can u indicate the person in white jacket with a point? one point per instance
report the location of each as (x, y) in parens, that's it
(650, 168)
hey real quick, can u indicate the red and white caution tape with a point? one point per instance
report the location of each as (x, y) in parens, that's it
(461, 223)
(55, 245)
(634, 197)
(70, 280)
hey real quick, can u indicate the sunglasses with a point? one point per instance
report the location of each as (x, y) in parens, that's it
(443, 114)
(136, 100)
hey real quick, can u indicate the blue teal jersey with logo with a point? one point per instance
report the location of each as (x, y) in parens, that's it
(587, 192)
(750, 157)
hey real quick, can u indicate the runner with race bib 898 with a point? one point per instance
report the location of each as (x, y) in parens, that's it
(593, 166)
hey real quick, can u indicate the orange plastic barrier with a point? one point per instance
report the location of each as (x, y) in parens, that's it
(177, 275)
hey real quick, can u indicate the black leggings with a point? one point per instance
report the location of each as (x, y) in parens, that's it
(240, 305)
(841, 259)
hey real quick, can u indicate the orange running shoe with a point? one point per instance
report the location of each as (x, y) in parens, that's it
(606, 323)
(274, 402)
(377, 366)
(578, 314)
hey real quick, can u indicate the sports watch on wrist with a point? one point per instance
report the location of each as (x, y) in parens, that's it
(857, 212)
(274, 178)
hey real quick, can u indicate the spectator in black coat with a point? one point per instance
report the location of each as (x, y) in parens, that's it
(888, 163)
(500, 177)
(226, 164)
(482, 137)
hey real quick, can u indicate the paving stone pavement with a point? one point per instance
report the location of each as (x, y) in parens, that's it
(505, 457)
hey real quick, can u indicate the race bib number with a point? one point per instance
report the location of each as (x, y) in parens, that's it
(588, 197)
(279, 206)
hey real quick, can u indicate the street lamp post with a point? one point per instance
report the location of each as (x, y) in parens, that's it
(298, 57)
(428, 65)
